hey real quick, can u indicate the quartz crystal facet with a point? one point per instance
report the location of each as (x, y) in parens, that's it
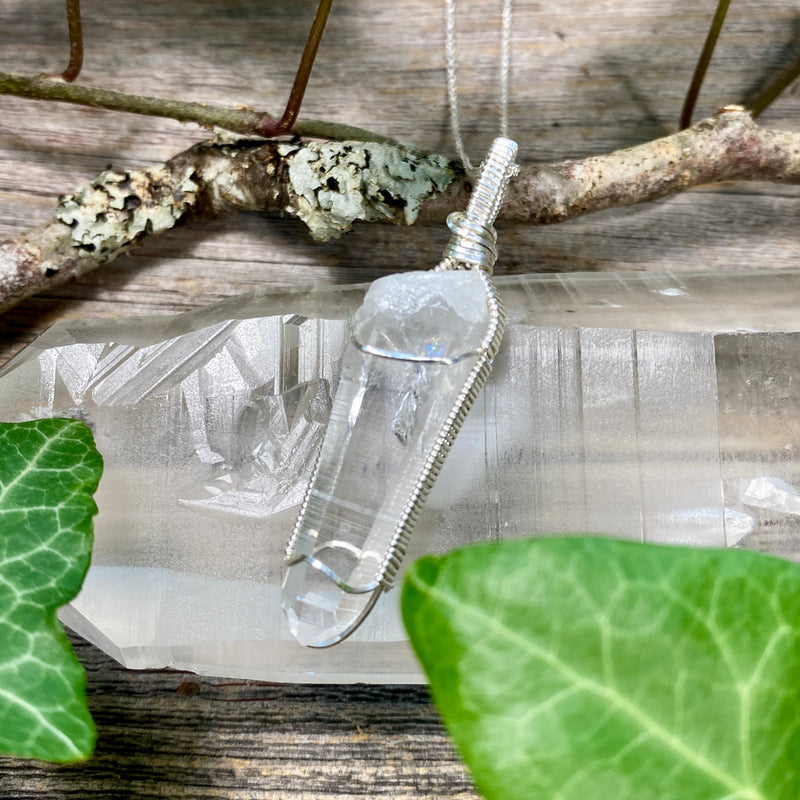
(414, 343)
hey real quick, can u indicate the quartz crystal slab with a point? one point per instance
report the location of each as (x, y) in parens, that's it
(659, 408)
(414, 343)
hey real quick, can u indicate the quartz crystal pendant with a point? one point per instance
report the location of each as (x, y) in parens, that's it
(421, 348)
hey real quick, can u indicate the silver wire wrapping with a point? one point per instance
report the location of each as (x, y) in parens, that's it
(474, 239)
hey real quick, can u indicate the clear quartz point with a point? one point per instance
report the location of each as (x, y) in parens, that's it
(421, 349)
(414, 343)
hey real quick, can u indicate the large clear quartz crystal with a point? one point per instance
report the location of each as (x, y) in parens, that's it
(414, 342)
(660, 408)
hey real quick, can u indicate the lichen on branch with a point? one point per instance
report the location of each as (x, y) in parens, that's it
(332, 185)
(329, 185)
(120, 208)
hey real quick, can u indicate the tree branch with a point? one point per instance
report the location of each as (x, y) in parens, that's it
(726, 147)
(331, 185)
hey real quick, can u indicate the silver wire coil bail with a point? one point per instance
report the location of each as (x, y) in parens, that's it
(474, 239)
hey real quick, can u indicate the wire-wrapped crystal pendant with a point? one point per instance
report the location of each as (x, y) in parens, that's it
(421, 349)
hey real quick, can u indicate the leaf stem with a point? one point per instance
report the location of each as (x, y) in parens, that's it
(286, 122)
(773, 91)
(75, 41)
(703, 62)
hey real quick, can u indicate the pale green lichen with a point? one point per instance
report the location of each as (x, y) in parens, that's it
(333, 184)
(120, 207)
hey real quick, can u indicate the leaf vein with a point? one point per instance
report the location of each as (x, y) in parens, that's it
(42, 721)
(591, 686)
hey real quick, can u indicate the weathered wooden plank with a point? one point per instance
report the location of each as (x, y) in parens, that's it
(588, 77)
(168, 734)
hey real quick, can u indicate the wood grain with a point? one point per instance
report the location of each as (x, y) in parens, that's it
(588, 77)
(165, 734)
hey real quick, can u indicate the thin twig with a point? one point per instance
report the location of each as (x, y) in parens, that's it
(75, 41)
(703, 62)
(271, 128)
(241, 121)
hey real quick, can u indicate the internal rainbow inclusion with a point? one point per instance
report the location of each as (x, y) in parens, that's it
(415, 343)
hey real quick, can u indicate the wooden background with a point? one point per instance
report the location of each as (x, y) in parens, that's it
(588, 77)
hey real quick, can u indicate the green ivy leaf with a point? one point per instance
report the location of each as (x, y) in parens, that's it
(48, 472)
(597, 669)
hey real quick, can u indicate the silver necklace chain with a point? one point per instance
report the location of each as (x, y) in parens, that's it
(452, 74)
